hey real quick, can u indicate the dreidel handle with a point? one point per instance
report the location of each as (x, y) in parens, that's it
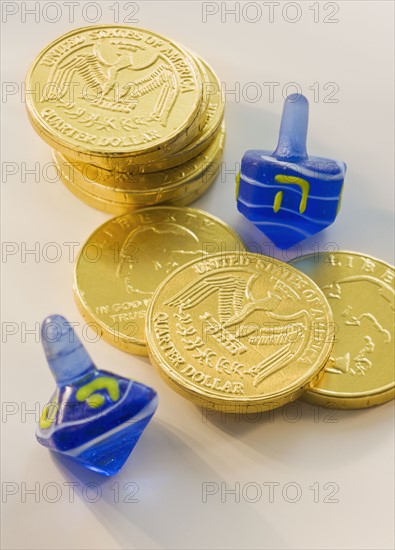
(66, 356)
(291, 145)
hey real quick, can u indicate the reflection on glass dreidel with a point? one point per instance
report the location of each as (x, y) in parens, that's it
(288, 195)
(95, 417)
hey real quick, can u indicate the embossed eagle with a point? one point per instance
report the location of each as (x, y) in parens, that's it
(235, 299)
(100, 74)
(236, 302)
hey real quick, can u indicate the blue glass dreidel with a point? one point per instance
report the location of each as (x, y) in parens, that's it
(95, 417)
(288, 195)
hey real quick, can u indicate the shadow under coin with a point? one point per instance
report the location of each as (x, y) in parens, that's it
(302, 435)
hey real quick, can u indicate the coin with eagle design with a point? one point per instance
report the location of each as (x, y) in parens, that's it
(127, 170)
(103, 93)
(239, 332)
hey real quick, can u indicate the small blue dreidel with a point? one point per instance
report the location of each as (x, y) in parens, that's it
(288, 195)
(95, 417)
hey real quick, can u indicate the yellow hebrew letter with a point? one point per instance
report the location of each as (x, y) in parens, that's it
(303, 184)
(95, 400)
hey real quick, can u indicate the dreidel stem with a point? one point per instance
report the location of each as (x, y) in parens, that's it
(291, 145)
(66, 356)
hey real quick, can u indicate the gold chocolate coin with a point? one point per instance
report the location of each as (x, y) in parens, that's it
(118, 207)
(124, 260)
(360, 290)
(107, 92)
(177, 195)
(144, 189)
(239, 332)
(215, 107)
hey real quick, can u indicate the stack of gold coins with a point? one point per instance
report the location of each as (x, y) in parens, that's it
(134, 118)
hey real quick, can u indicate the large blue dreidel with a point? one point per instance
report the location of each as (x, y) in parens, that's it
(288, 195)
(95, 417)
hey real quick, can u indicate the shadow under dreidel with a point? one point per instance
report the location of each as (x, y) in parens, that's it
(161, 493)
(367, 229)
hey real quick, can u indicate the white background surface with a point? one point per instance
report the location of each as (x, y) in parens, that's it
(180, 449)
